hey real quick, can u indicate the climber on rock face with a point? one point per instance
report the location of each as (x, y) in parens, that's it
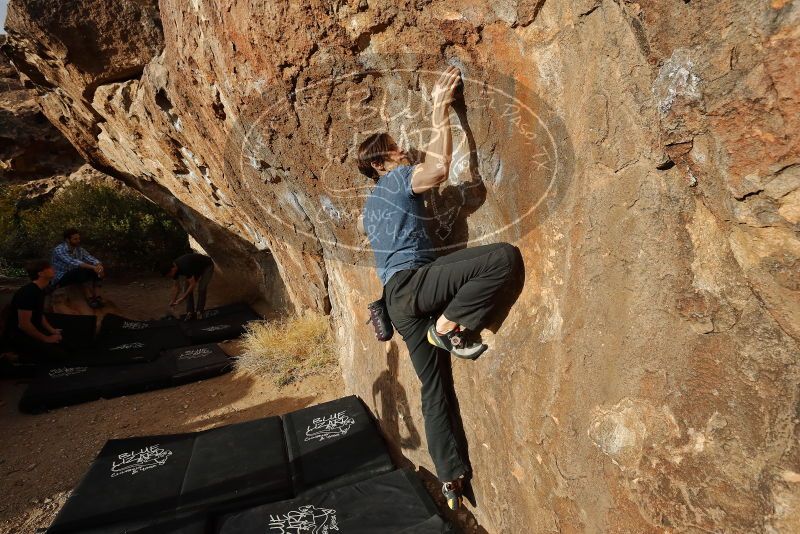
(434, 302)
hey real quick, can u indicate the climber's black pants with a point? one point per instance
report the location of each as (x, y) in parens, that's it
(463, 285)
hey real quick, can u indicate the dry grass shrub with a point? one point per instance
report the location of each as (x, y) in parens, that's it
(288, 350)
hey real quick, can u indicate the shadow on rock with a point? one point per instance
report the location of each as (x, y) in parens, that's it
(394, 406)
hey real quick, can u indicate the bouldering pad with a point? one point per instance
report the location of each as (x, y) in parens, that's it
(77, 331)
(334, 443)
(176, 481)
(220, 324)
(197, 361)
(122, 341)
(394, 502)
(64, 386)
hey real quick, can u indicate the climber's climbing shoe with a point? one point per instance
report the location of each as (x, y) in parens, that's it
(452, 493)
(456, 343)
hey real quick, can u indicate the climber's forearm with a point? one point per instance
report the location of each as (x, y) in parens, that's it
(189, 288)
(440, 146)
(442, 140)
(436, 166)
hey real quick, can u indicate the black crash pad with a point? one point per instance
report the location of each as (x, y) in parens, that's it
(64, 386)
(130, 479)
(17, 369)
(112, 321)
(119, 380)
(196, 362)
(168, 524)
(333, 444)
(394, 502)
(144, 484)
(122, 341)
(227, 309)
(237, 465)
(77, 331)
(220, 324)
(61, 386)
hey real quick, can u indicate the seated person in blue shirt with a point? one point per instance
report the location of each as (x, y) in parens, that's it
(73, 265)
(27, 330)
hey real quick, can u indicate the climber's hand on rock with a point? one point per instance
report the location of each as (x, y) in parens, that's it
(444, 89)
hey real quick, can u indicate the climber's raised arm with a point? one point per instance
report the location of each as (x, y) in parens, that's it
(436, 166)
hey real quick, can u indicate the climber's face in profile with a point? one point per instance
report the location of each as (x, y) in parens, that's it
(397, 156)
(394, 157)
(379, 154)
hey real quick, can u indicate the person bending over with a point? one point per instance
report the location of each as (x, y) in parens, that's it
(74, 266)
(191, 271)
(29, 334)
(434, 303)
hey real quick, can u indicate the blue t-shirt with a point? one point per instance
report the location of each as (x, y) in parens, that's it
(394, 220)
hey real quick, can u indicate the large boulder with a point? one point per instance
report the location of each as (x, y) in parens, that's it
(72, 50)
(30, 147)
(642, 156)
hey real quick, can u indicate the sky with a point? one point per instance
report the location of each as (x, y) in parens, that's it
(3, 4)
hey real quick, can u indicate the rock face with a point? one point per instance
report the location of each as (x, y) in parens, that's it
(33, 152)
(644, 157)
(69, 51)
(31, 148)
(45, 188)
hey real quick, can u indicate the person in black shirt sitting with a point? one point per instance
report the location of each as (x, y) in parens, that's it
(29, 333)
(190, 271)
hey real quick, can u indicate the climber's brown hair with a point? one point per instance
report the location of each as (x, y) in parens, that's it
(374, 149)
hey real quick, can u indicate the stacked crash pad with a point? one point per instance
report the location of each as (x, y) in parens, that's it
(219, 324)
(126, 340)
(122, 341)
(64, 386)
(129, 356)
(140, 480)
(170, 524)
(331, 444)
(77, 330)
(233, 477)
(391, 503)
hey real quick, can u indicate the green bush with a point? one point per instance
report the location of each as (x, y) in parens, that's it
(120, 227)
(11, 271)
(13, 245)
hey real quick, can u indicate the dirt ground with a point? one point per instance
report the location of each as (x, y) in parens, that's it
(42, 457)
